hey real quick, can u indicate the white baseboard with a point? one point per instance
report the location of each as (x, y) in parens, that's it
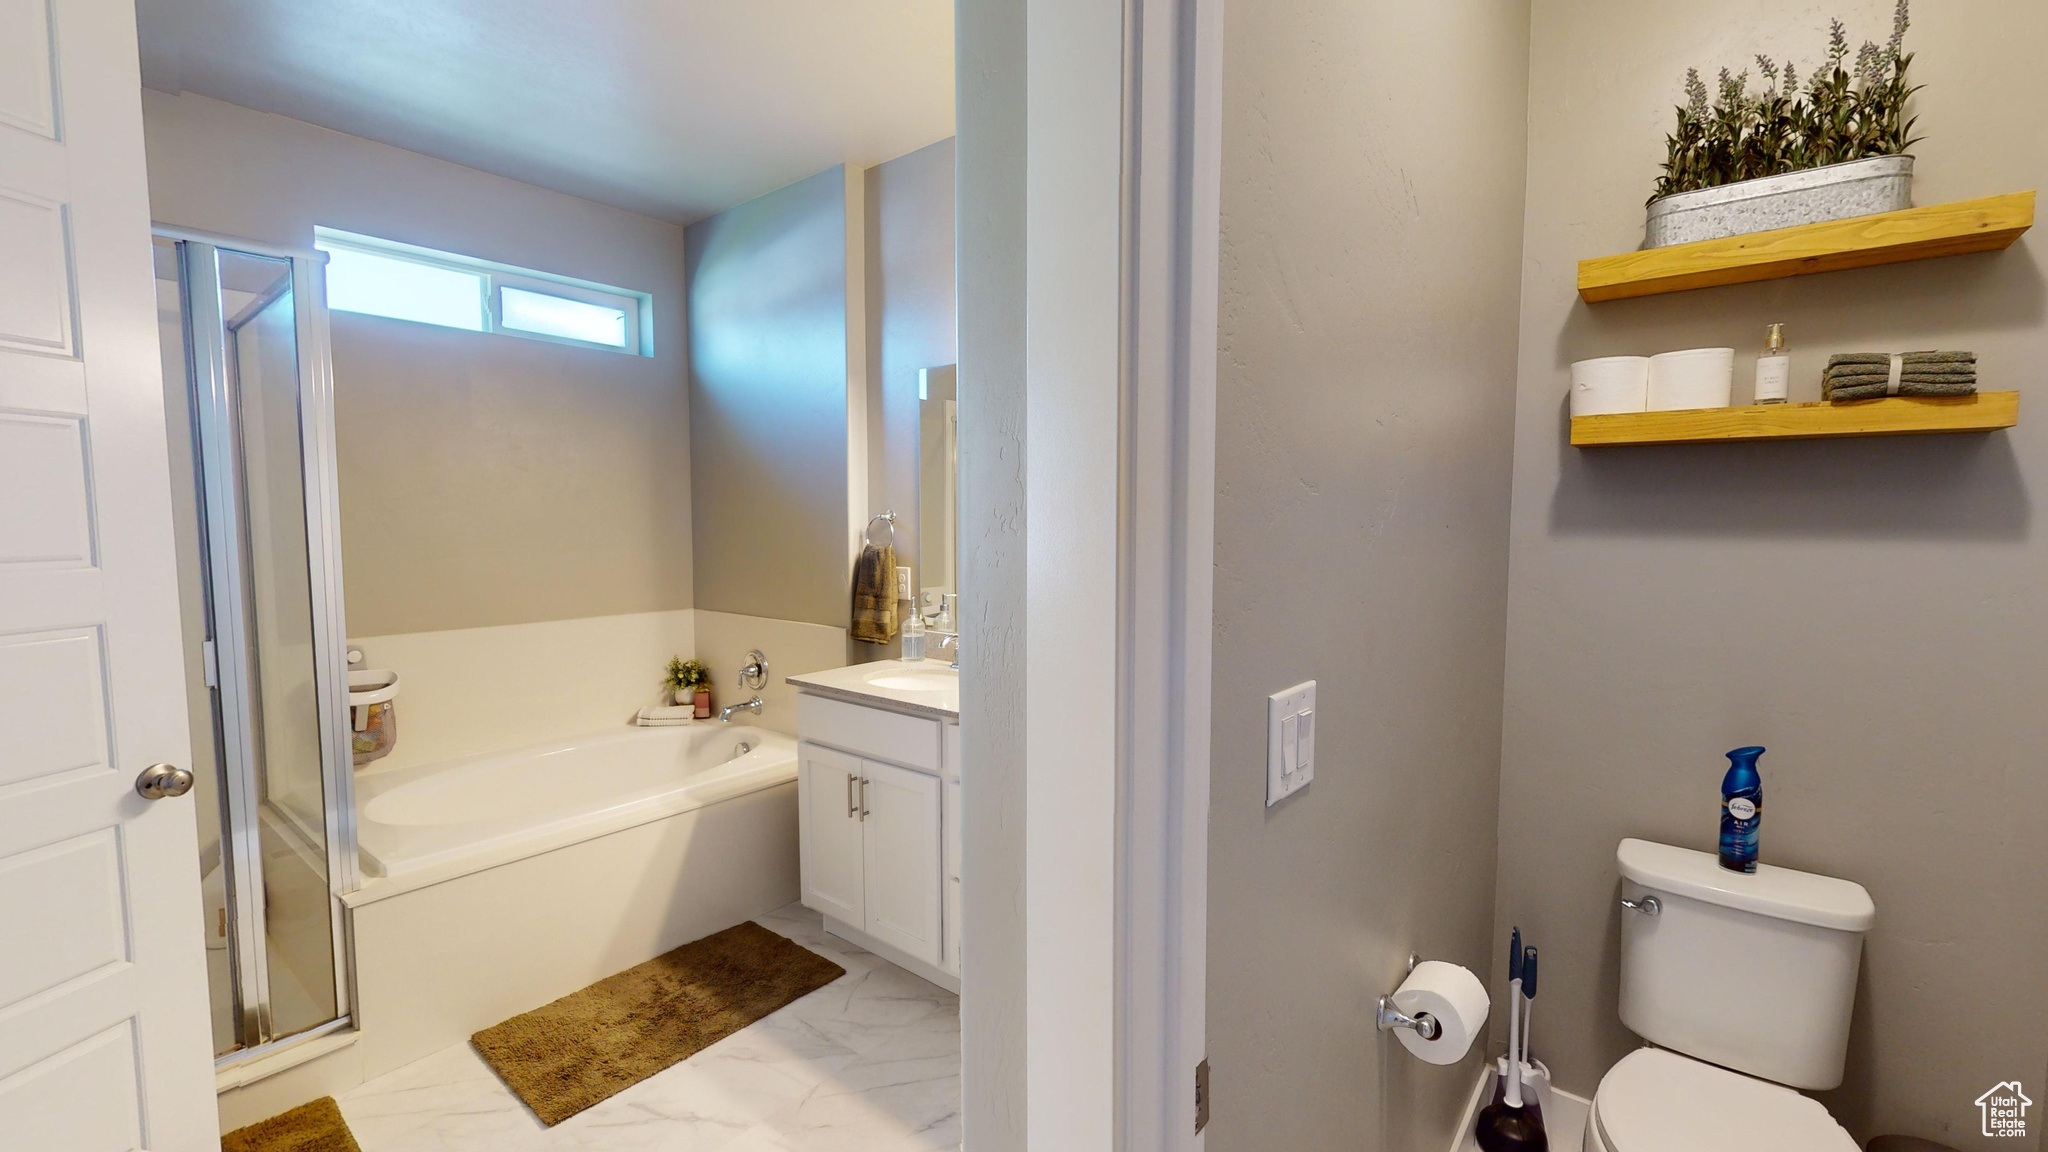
(258, 1089)
(241, 1074)
(896, 956)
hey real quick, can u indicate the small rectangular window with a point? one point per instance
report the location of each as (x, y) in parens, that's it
(404, 282)
(381, 285)
(562, 318)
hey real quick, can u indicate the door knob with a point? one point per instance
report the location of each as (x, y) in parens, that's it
(160, 780)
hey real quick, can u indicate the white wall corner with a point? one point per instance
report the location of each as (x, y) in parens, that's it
(1073, 363)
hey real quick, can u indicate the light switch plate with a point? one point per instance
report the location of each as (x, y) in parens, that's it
(1290, 741)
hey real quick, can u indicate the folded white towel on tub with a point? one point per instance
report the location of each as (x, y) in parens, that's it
(662, 715)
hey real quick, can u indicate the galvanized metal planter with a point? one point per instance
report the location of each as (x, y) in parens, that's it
(1856, 188)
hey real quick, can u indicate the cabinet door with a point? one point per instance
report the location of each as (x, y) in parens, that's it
(829, 820)
(903, 859)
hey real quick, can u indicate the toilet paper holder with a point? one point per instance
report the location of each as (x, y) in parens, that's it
(1388, 1017)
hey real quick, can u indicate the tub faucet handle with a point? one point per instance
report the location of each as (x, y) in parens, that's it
(754, 673)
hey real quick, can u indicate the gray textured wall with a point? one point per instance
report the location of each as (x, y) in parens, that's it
(1873, 611)
(1372, 212)
(768, 437)
(912, 199)
(484, 479)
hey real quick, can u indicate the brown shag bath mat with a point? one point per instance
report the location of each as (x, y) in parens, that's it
(594, 1044)
(315, 1127)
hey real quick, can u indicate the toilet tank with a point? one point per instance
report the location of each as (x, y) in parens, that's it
(1755, 972)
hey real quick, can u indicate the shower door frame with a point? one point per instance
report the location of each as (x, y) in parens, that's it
(218, 451)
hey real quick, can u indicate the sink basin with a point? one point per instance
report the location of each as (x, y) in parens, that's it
(915, 680)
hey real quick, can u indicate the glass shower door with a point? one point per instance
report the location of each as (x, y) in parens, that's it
(274, 674)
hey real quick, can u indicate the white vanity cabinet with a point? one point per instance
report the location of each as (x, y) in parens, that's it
(875, 803)
(949, 771)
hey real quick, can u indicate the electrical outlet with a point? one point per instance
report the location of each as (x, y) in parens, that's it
(1290, 741)
(903, 583)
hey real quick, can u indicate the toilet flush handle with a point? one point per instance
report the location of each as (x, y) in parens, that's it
(1648, 905)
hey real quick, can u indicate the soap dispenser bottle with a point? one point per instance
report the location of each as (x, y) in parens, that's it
(913, 635)
(1774, 369)
(1742, 810)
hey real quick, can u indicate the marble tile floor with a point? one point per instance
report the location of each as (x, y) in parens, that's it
(868, 1063)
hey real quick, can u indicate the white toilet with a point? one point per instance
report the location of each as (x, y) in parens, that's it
(1744, 984)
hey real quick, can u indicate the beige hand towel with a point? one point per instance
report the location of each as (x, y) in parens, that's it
(874, 595)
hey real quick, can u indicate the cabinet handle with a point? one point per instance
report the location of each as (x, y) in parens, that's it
(864, 798)
(852, 807)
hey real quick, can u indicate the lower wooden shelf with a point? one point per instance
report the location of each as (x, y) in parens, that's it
(1891, 416)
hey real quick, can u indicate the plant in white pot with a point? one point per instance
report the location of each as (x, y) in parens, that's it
(689, 682)
(1789, 155)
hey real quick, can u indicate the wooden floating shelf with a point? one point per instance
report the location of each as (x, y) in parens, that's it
(1983, 225)
(1891, 416)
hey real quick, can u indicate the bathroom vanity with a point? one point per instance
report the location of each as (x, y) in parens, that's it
(878, 803)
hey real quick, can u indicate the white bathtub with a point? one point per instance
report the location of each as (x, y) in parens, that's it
(480, 810)
(496, 883)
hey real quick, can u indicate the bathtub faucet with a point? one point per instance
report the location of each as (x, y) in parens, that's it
(725, 714)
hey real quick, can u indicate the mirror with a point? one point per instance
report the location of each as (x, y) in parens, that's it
(938, 483)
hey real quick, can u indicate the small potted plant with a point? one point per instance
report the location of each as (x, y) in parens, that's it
(1791, 154)
(690, 682)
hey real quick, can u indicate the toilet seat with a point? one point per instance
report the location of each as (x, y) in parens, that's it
(1659, 1101)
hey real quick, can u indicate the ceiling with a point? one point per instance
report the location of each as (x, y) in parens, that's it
(673, 108)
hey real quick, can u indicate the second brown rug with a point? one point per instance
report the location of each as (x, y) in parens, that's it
(594, 1044)
(315, 1127)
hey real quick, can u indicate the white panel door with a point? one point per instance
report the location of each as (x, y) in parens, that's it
(829, 832)
(104, 1041)
(903, 859)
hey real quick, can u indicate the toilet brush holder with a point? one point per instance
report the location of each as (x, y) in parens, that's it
(1535, 1082)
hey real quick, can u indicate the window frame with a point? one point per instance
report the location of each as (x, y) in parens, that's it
(493, 276)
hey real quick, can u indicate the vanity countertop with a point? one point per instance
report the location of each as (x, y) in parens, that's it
(920, 687)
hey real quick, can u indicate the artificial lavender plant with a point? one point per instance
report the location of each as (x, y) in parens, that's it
(1839, 115)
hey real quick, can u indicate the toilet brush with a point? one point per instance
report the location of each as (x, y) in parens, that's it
(1509, 1124)
(1528, 1005)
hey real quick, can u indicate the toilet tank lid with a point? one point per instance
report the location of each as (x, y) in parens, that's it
(1783, 893)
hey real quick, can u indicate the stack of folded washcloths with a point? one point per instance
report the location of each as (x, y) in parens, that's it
(664, 715)
(1870, 375)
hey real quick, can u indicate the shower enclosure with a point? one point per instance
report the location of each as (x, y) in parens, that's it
(244, 333)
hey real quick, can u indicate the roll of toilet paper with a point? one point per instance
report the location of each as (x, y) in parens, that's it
(1610, 384)
(1693, 378)
(1458, 1001)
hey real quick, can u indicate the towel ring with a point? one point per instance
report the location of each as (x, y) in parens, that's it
(867, 534)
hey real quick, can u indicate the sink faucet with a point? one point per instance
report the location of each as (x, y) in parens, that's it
(952, 642)
(725, 714)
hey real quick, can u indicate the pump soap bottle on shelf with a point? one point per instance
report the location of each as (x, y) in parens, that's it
(1773, 369)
